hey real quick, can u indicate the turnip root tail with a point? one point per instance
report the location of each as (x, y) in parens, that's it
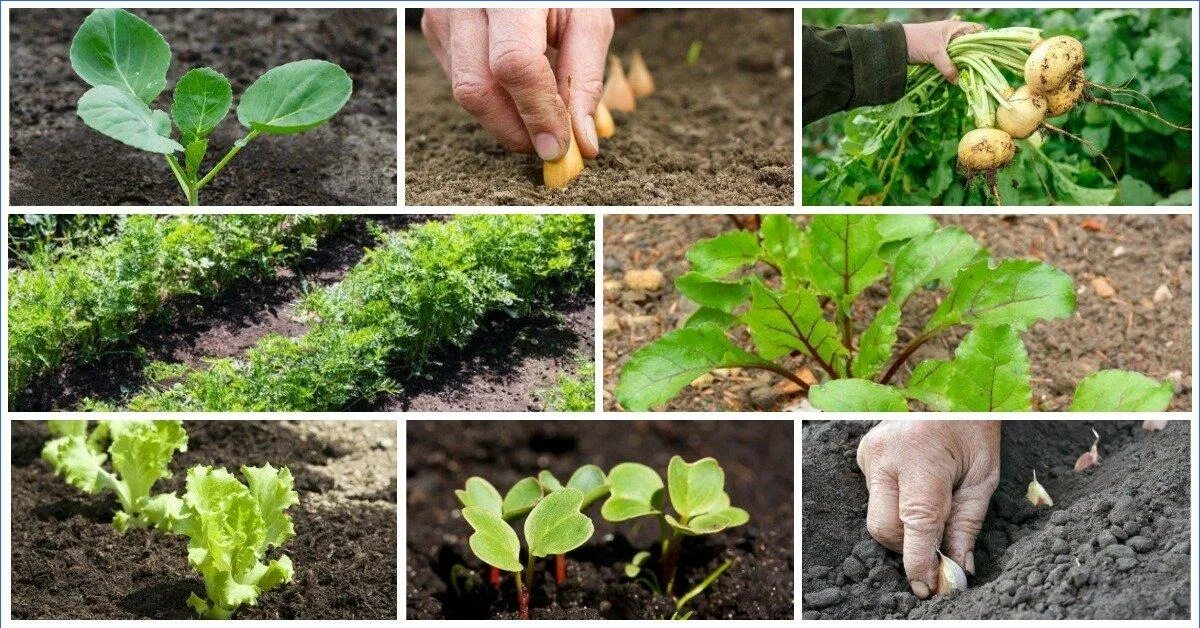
(1090, 146)
(1145, 112)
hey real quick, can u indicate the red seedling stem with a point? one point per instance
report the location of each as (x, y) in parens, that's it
(523, 603)
(494, 578)
(560, 569)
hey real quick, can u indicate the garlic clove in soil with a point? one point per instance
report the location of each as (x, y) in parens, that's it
(559, 172)
(605, 127)
(618, 95)
(1153, 426)
(951, 577)
(639, 75)
(1091, 458)
(1036, 493)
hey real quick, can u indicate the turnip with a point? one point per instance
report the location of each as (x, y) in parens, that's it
(985, 150)
(1052, 62)
(1023, 115)
(1064, 99)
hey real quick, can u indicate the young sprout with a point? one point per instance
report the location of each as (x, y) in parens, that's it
(1036, 494)
(618, 95)
(698, 498)
(559, 172)
(951, 577)
(639, 76)
(1091, 457)
(554, 526)
(519, 500)
(589, 480)
(605, 127)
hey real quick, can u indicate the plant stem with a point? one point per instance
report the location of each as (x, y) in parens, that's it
(670, 561)
(523, 593)
(237, 146)
(907, 353)
(179, 176)
(560, 568)
(779, 370)
(494, 578)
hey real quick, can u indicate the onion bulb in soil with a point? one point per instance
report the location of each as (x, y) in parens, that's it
(639, 76)
(1052, 62)
(605, 127)
(559, 172)
(618, 95)
(1023, 115)
(1063, 100)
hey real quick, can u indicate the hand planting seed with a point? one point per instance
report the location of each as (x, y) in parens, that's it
(1091, 457)
(1036, 494)
(126, 61)
(794, 292)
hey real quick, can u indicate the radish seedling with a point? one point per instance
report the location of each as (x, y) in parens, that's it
(588, 479)
(126, 60)
(698, 499)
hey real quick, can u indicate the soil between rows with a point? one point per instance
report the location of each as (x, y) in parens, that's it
(69, 563)
(55, 159)
(1070, 561)
(1135, 253)
(719, 132)
(758, 460)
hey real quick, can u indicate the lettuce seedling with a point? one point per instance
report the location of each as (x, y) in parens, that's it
(794, 291)
(554, 525)
(230, 527)
(698, 498)
(125, 60)
(141, 453)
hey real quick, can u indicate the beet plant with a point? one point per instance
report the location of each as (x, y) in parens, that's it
(125, 60)
(796, 293)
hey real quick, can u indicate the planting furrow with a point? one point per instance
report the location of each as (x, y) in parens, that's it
(422, 290)
(83, 304)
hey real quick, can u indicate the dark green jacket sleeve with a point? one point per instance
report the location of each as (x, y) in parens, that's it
(852, 66)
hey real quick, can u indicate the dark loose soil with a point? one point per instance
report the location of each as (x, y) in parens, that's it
(1137, 255)
(69, 563)
(719, 132)
(758, 463)
(1115, 545)
(55, 159)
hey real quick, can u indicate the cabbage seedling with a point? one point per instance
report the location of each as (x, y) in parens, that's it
(554, 526)
(125, 60)
(141, 453)
(698, 498)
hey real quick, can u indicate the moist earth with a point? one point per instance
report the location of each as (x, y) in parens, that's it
(1144, 326)
(1115, 545)
(55, 159)
(719, 132)
(68, 562)
(758, 463)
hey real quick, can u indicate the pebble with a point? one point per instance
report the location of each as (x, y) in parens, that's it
(650, 279)
(1140, 544)
(1125, 564)
(1106, 538)
(854, 569)
(1103, 288)
(611, 326)
(824, 598)
(1163, 293)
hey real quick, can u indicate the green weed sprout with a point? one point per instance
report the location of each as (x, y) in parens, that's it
(140, 451)
(125, 60)
(698, 498)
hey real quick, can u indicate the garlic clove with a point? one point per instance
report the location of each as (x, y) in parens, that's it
(639, 76)
(1153, 426)
(559, 172)
(1036, 493)
(605, 127)
(951, 577)
(618, 95)
(1090, 458)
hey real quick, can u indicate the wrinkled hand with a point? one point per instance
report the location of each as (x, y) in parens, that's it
(927, 43)
(930, 483)
(500, 73)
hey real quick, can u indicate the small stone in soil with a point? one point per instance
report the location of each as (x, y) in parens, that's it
(824, 598)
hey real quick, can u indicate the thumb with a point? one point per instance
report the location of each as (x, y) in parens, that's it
(924, 507)
(583, 47)
(967, 511)
(517, 56)
(942, 62)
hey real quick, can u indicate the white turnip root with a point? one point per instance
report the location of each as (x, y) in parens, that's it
(1023, 115)
(1063, 100)
(984, 150)
(1052, 62)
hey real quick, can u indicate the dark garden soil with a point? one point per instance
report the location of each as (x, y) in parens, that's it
(1115, 545)
(719, 132)
(69, 563)
(1144, 326)
(758, 463)
(55, 159)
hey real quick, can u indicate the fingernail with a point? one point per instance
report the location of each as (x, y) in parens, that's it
(589, 130)
(547, 146)
(969, 559)
(920, 589)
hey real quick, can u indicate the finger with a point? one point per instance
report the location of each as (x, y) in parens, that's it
(435, 25)
(883, 515)
(924, 506)
(966, 28)
(517, 58)
(475, 89)
(942, 62)
(967, 512)
(583, 46)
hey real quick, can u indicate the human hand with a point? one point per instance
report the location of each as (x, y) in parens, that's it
(499, 72)
(927, 43)
(929, 484)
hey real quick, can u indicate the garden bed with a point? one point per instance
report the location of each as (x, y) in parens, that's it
(1031, 563)
(1144, 326)
(758, 462)
(719, 132)
(54, 156)
(69, 563)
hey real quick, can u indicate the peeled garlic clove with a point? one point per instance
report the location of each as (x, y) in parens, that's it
(1153, 426)
(605, 127)
(559, 172)
(618, 95)
(639, 76)
(951, 577)
(1036, 493)
(1091, 458)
